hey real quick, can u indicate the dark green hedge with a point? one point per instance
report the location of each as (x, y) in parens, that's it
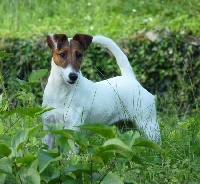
(168, 67)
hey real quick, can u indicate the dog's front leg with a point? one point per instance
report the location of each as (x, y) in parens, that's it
(48, 119)
(49, 140)
(74, 117)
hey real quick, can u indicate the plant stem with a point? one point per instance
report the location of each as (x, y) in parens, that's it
(60, 165)
(109, 169)
(12, 125)
(91, 171)
(17, 174)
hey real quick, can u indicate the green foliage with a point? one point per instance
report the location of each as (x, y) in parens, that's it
(24, 159)
(104, 155)
(114, 18)
(103, 130)
(167, 66)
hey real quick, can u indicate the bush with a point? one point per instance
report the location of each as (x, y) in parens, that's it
(167, 67)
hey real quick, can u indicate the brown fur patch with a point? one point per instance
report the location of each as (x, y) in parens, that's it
(65, 53)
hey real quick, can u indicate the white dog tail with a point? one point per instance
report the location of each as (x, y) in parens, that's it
(122, 60)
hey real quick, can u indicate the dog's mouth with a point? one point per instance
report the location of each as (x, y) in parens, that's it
(71, 82)
(69, 75)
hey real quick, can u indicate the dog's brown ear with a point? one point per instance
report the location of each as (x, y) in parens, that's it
(56, 41)
(83, 39)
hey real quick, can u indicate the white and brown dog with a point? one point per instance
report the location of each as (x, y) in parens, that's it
(78, 100)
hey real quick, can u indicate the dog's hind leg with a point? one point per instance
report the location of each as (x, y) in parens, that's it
(145, 114)
(147, 124)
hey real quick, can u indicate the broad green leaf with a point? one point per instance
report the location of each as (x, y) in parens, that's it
(106, 154)
(129, 137)
(36, 75)
(74, 135)
(112, 178)
(28, 111)
(2, 178)
(5, 166)
(117, 142)
(137, 160)
(44, 159)
(4, 150)
(149, 144)
(101, 129)
(77, 169)
(29, 174)
(32, 176)
(21, 82)
(26, 159)
(5, 139)
(20, 137)
(115, 145)
(97, 159)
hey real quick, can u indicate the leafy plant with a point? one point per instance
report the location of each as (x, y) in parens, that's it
(24, 159)
(22, 162)
(98, 153)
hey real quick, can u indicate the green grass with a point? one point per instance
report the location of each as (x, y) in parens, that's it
(118, 18)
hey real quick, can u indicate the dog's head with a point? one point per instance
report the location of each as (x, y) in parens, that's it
(68, 53)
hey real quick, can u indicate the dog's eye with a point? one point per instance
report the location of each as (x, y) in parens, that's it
(62, 54)
(78, 55)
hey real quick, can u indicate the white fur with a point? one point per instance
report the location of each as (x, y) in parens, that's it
(107, 101)
(54, 42)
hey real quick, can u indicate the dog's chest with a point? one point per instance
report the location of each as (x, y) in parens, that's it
(55, 115)
(67, 105)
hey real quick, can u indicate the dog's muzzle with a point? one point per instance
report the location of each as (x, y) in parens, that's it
(73, 77)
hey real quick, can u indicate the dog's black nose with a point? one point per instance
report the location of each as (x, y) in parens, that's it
(73, 76)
